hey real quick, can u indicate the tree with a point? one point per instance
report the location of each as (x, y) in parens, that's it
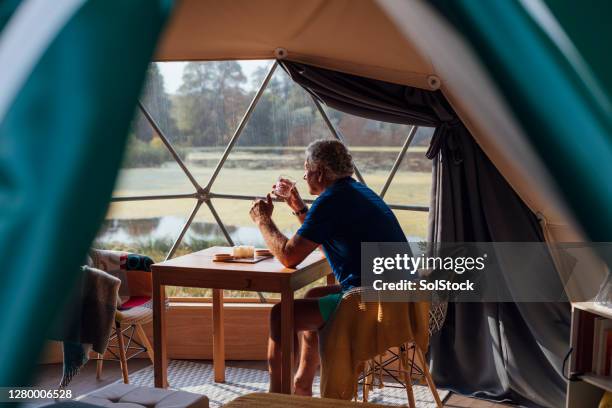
(211, 101)
(285, 115)
(265, 126)
(157, 102)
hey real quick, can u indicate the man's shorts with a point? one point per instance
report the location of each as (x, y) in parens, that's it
(328, 304)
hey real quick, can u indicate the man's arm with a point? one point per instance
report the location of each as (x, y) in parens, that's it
(290, 252)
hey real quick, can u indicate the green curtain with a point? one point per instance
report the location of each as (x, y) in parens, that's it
(61, 145)
(552, 63)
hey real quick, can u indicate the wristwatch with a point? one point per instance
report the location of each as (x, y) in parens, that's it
(300, 212)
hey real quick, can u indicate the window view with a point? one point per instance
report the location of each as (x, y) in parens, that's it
(197, 107)
(148, 227)
(283, 123)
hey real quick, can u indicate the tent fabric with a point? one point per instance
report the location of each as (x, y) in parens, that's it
(502, 351)
(345, 35)
(578, 151)
(374, 99)
(62, 139)
(7, 8)
(475, 96)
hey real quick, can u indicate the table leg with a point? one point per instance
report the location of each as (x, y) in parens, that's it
(160, 365)
(287, 341)
(218, 336)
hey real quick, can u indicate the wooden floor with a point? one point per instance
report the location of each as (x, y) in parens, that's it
(49, 375)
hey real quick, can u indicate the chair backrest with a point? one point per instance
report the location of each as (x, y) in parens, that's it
(437, 309)
(360, 329)
(437, 316)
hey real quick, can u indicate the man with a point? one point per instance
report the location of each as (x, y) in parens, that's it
(344, 214)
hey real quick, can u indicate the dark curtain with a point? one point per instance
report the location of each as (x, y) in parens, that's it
(511, 351)
(502, 351)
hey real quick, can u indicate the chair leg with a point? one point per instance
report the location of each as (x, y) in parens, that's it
(430, 382)
(367, 380)
(409, 391)
(407, 374)
(122, 357)
(145, 341)
(99, 364)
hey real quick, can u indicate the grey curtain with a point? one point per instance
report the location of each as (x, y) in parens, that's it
(501, 351)
(374, 99)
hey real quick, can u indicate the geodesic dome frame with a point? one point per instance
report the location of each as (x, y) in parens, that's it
(203, 193)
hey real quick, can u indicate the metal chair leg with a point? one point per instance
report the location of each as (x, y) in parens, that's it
(145, 341)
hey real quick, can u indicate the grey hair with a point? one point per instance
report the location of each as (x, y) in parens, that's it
(332, 156)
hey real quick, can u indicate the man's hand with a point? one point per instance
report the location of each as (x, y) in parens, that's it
(294, 201)
(261, 210)
(289, 252)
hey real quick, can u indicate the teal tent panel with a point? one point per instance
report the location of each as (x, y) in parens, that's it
(563, 108)
(587, 24)
(7, 8)
(61, 145)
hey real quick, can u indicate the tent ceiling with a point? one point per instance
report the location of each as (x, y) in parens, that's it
(353, 36)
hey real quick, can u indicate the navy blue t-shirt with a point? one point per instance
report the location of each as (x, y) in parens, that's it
(346, 214)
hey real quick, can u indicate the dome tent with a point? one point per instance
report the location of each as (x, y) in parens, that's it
(411, 43)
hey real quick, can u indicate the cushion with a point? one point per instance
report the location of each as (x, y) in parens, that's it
(133, 396)
(135, 315)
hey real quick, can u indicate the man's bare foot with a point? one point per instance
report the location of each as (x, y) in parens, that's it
(302, 391)
(300, 388)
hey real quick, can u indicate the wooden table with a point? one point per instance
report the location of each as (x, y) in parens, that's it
(198, 270)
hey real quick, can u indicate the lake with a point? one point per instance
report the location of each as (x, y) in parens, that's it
(167, 228)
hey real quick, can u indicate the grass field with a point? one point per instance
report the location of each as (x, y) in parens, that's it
(411, 188)
(408, 187)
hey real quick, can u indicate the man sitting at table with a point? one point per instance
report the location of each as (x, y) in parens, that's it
(344, 214)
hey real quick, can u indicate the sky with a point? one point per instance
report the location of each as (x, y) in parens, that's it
(173, 72)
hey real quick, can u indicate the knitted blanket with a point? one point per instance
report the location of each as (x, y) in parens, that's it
(92, 315)
(104, 289)
(358, 331)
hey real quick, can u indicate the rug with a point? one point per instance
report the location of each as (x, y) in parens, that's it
(199, 378)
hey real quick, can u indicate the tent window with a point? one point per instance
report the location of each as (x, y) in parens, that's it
(197, 107)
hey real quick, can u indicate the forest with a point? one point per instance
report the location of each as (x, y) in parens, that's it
(213, 97)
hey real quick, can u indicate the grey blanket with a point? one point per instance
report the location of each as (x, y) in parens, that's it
(91, 315)
(99, 304)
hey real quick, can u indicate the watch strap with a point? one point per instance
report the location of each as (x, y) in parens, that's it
(300, 212)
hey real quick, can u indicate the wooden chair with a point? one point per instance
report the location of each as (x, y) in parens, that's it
(361, 328)
(128, 341)
(410, 362)
(129, 338)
